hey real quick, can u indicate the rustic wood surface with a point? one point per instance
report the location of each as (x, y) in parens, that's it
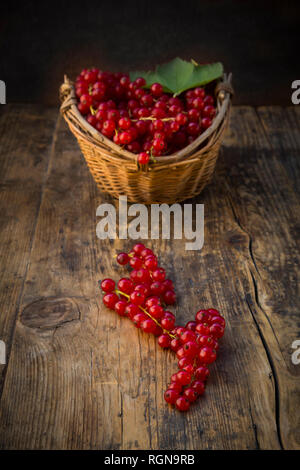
(79, 377)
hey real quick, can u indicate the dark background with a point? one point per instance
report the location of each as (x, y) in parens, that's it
(256, 40)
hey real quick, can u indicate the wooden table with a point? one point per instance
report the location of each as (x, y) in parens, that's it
(79, 377)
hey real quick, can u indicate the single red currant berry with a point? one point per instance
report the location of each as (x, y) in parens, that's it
(148, 326)
(199, 386)
(181, 353)
(137, 298)
(190, 94)
(135, 262)
(156, 89)
(193, 128)
(138, 319)
(143, 158)
(202, 329)
(168, 321)
(126, 285)
(191, 348)
(113, 114)
(207, 355)
(193, 115)
(187, 335)
(156, 311)
(218, 319)
(164, 341)
(124, 123)
(151, 262)
(169, 297)
(189, 368)
(182, 404)
(174, 378)
(179, 330)
(146, 100)
(120, 307)
(86, 100)
(83, 109)
(143, 288)
(156, 288)
(198, 103)
(205, 122)
(125, 137)
(168, 285)
(183, 377)
(122, 258)
(92, 120)
(131, 310)
(199, 92)
(140, 82)
(181, 119)
(158, 125)
(146, 252)
(214, 312)
(109, 126)
(143, 275)
(158, 331)
(191, 394)
(202, 316)
(138, 248)
(175, 344)
(174, 126)
(139, 93)
(209, 111)
(185, 361)
(158, 144)
(110, 300)
(191, 325)
(208, 100)
(216, 330)
(202, 373)
(159, 274)
(175, 386)
(171, 396)
(134, 147)
(152, 301)
(108, 285)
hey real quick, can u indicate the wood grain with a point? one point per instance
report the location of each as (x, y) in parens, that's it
(90, 380)
(26, 135)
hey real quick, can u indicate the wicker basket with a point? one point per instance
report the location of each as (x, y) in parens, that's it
(171, 178)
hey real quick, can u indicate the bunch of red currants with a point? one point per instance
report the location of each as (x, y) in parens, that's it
(142, 298)
(147, 122)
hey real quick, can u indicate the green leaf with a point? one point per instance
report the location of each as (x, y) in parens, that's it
(179, 75)
(150, 77)
(203, 74)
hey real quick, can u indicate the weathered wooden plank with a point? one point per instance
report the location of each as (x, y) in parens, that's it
(26, 136)
(64, 363)
(266, 208)
(282, 131)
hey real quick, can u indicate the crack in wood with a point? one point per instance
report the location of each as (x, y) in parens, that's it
(275, 381)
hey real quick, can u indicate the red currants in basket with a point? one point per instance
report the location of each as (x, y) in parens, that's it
(146, 117)
(143, 297)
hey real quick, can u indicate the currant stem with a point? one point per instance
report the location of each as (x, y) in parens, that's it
(147, 313)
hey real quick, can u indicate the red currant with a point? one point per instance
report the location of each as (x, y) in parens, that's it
(110, 300)
(108, 285)
(182, 404)
(156, 89)
(171, 396)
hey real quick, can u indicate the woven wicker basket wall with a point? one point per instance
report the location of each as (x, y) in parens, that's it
(171, 178)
